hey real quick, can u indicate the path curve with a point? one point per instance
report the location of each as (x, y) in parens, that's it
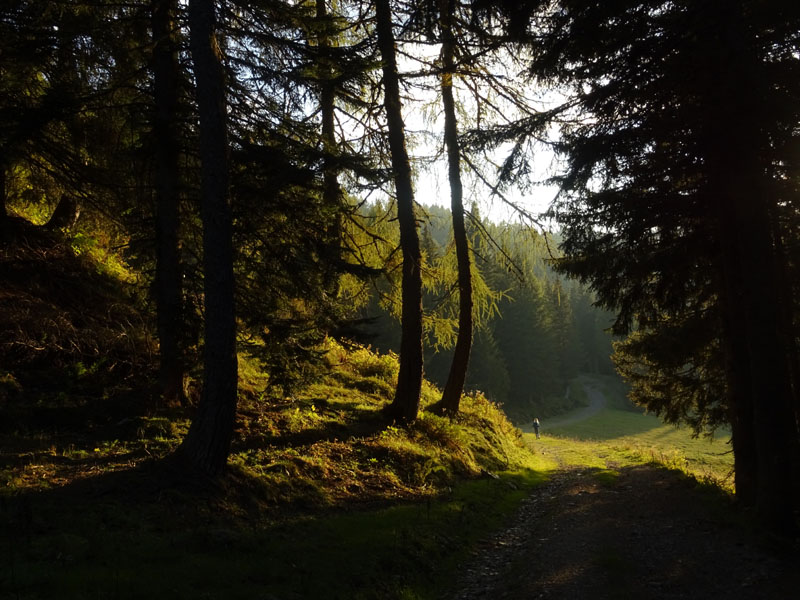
(597, 402)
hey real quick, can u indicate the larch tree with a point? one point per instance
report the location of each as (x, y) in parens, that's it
(451, 396)
(405, 406)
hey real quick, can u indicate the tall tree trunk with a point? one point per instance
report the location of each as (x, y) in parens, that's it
(740, 402)
(788, 329)
(770, 386)
(405, 405)
(331, 192)
(451, 397)
(736, 175)
(165, 138)
(207, 444)
(789, 323)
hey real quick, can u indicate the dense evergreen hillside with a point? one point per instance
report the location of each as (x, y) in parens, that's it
(540, 331)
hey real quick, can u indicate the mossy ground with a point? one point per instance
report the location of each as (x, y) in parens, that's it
(323, 498)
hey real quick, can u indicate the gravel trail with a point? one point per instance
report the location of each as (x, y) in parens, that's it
(648, 533)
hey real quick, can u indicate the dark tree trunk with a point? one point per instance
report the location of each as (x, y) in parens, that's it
(451, 397)
(207, 444)
(3, 196)
(736, 178)
(65, 215)
(327, 108)
(770, 386)
(405, 406)
(740, 404)
(788, 329)
(165, 139)
(327, 99)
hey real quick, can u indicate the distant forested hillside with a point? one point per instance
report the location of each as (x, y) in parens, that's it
(538, 329)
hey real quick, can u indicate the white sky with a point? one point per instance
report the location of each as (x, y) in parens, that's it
(424, 123)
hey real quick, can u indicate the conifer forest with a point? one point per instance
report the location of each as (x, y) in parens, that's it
(283, 269)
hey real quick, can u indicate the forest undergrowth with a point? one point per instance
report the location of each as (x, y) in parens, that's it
(91, 510)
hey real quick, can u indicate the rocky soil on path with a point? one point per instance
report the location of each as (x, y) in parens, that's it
(650, 534)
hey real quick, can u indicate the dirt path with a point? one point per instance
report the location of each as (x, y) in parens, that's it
(597, 402)
(651, 535)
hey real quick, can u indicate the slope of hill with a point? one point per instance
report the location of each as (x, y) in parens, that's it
(93, 511)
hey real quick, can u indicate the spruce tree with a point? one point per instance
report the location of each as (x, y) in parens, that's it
(682, 121)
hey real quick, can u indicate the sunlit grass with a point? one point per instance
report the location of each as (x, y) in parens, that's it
(311, 475)
(617, 435)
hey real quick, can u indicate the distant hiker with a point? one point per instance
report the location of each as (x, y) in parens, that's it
(536, 427)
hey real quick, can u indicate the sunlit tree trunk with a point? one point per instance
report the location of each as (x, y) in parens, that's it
(405, 405)
(166, 146)
(207, 444)
(451, 397)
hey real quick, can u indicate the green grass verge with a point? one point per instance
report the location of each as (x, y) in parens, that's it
(618, 435)
(324, 498)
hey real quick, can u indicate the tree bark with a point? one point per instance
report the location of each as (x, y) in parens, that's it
(789, 324)
(331, 192)
(736, 177)
(740, 402)
(405, 406)
(451, 397)
(207, 444)
(788, 330)
(3, 196)
(770, 386)
(65, 214)
(165, 139)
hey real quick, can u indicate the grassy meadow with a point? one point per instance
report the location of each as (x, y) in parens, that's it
(621, 434)
(323, 497)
